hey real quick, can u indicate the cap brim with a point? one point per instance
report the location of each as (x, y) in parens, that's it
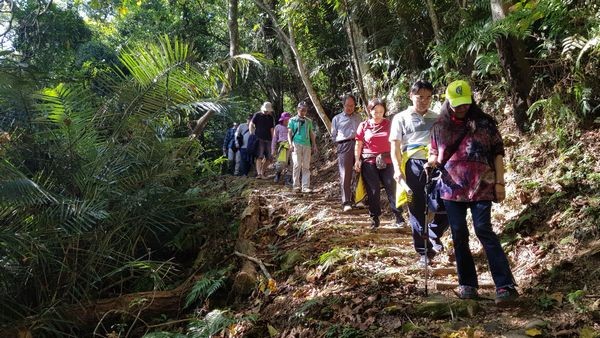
(459, 101)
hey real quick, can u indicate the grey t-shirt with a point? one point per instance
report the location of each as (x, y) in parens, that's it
(413, 130)
(343, 126)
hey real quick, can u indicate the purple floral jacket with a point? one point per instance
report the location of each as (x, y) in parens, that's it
(469, 174)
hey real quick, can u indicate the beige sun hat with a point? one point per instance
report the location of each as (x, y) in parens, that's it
(267, 106)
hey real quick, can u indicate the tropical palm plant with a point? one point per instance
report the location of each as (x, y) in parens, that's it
(92, 212)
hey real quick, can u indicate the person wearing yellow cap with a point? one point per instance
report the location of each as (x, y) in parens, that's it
(467, 146)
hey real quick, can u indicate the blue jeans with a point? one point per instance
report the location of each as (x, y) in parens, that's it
(498, 263)
(373, 179)
(415, 179)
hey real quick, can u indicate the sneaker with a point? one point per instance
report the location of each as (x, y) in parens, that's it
(347, 208)
(467, 292)
(399, 223)
(424, 261)
(374, 222)
(307, 190)
(277, 176)
(296, 189)
(506, 296)
(360, 205)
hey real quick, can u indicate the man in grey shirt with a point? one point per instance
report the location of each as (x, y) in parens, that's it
(343, 132)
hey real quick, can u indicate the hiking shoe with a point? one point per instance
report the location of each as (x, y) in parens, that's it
(360, 205)
(374, 222)
(307, 190)
(296, 189)
(347, 208)
(467, 292)
(423, 261)
(400, 223)
(506, 296)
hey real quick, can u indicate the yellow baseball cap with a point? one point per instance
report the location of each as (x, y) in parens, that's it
(459, 93)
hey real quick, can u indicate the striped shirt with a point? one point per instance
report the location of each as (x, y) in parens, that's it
(412, 130)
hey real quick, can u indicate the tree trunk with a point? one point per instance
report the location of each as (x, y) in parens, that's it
(516, 67)
(435, 25)
(359, 65)
(289, 40)
(234, 49)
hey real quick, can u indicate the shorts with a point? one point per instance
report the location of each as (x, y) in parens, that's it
(263, 149)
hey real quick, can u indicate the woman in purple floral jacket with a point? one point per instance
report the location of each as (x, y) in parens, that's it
(468, 141)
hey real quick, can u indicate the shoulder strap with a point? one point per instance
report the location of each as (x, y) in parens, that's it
(454, 147)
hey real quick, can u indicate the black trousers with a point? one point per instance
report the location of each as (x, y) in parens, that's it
(416, 178)
(374, 178)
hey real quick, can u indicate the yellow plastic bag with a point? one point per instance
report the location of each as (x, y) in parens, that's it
(402, 195)
(361, 190)
(283, 150)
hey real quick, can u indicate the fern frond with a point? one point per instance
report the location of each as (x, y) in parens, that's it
(214, 322)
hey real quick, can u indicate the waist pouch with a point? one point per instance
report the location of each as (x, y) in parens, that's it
(379, 159)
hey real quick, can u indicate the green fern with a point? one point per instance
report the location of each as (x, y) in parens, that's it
(207, 286)
(213, 323)
(331, 258)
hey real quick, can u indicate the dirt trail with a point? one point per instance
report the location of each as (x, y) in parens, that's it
(335, 277)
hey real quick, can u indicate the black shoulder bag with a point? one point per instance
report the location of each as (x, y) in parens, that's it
(433, 187)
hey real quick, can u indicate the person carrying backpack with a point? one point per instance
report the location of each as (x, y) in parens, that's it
(230, 151)
(242, 135)
(468, 141)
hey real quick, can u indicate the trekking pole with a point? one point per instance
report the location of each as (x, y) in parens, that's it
(425, 234)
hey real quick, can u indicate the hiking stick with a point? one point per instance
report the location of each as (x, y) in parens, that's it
(425, 234)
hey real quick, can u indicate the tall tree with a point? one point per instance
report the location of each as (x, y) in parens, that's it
(234, 49)
(290, 41)
(516, 67)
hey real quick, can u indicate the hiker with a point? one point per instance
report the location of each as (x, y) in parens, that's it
(343, 133)
(472, 178)
(410, 140)
(230, 150)
(262, 125)
(280, 146)
(373, 161)
(301, 138)
(242, 135)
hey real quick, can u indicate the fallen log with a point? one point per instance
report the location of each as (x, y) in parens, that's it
(138, 306)
(247, 278)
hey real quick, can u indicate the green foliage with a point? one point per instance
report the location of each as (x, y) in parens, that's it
(557, 116)
(343, 332)
(47, 36)
(545, 302)
(94, 193)
(576, 298)
(213, 323)
(329, 259)
(208, 285)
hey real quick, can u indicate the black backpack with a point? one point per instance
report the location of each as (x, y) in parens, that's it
(240, 139)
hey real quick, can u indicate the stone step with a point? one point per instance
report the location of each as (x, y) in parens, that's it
(443, 286)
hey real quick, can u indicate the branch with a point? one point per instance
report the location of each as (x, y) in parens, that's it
(273, 18)
(257, 261)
